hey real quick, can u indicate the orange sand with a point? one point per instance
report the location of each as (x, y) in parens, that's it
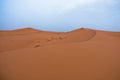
(82, 54)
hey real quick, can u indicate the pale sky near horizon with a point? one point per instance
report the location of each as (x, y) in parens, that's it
(60, 15)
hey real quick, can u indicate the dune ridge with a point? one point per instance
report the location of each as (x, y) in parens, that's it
(43, 38)
(23, 31)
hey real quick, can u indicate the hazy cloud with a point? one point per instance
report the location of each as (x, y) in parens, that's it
(99, 14)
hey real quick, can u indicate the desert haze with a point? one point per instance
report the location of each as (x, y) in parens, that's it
(82, 54)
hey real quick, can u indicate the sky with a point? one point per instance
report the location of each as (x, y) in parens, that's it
(60, 15)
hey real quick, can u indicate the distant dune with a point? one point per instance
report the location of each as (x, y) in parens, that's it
(82, 54)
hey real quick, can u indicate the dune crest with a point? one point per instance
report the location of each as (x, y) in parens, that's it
(18, 32)
(34, 38)
(23, 29)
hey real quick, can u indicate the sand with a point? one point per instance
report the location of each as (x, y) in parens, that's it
(82, 54)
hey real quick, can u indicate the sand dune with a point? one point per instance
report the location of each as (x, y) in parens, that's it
(18, 32)
(82, 54)
(31, 38)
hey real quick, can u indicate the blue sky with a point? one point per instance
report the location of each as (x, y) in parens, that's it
(60, 15)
